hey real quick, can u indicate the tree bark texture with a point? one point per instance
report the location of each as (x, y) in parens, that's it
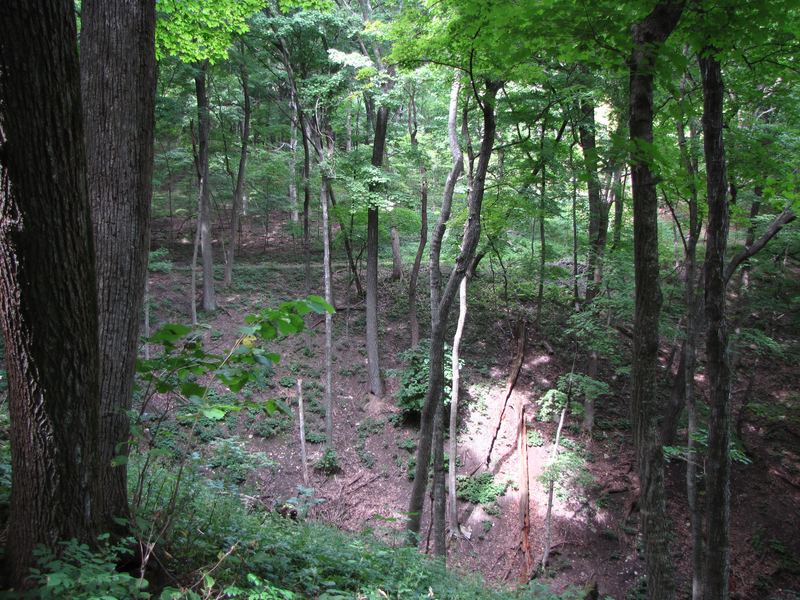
(647, 36)
(118, 79)
(441, 303)
(48, 290)
(454, 396)
(373, 356)
(236, 205)
(203, 125)
(397, 259)
(715, 573)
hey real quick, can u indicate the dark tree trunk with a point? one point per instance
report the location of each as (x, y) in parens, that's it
(203, 125)
(48, 290)
(238, 194)
(373, 356)
(647, 36)
(118, 77)
(718, 468)
(598, 211)
(441, 303)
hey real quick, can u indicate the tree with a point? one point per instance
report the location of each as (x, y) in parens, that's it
(648, 36)
(200, 32)
(48, 290)
(118, 89)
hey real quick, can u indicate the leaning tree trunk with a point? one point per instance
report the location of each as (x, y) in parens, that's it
(715, 573)
(118, 80)
(442, 303)
(48, 290)
(209, 300)
(373, 356)
(236, 206)
(647, 37)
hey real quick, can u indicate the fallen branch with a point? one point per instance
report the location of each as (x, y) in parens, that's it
(510, 382)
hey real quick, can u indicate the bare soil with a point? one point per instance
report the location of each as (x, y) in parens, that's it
(596, 533)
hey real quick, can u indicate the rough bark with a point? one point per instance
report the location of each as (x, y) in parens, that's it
(373, 356)
(238, 194)
(118, 90)
(441, 303)
(48, 290)
(647, 36)
(203, 126)
(717, 562)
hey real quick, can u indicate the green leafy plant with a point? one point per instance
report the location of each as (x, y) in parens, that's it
(80, 573)
(328, 463)
(480, 488)
(414, 377)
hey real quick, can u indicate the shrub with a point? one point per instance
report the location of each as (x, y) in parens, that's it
(414, 377)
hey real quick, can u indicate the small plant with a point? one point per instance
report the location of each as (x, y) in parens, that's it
(535, 438)
(82, 574)
(414, 377)
(407, 444)
(480, 488)
(315, 437)
(159, 262)
(328, 463)
(487, 525)
(287, 381)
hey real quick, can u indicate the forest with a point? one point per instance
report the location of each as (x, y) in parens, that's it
(354, 299)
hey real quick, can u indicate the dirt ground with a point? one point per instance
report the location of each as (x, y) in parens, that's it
(595, 531)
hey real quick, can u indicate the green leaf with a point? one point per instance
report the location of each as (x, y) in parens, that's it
(120, 460)
(214, 413)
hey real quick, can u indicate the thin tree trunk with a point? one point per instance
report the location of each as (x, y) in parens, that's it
(203, 126)
(462, 317)
(302, 425)
(326, 266)
(423, 234)
(118, 80)
(48, 290)
(442, 302)
(717, 563)
(397, 260)
(542, 247)
(647, 37)
(239, 193)
(293, 210)
(548, 518)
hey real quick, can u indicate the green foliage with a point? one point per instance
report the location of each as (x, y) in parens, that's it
(535, 438)
(700, 438)
(80, 573)
(414, 377)
(234, 462)
(328, 463)
(550, 405)
(480, 488)
(158, 261)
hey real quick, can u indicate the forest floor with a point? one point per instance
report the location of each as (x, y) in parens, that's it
(596, 533)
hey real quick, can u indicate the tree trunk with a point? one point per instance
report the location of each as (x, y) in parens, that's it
(715, 574)
(48, 289)
(598, 215)
(647, 37)
(326, 267)
(442, 302)
(423, 234)
(397, 260)
(451, 474)
(236, 206)
(293, 211)
(203, 125)
(118, 90)
(373, 356)
(305, 128)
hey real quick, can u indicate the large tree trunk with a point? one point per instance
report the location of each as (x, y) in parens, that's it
(118, 89)
(647, 36)
(441, 303)
(48, 290)
(236, 205)
(203, 125)
(715, 574)
(451, 472)
(373, 356)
